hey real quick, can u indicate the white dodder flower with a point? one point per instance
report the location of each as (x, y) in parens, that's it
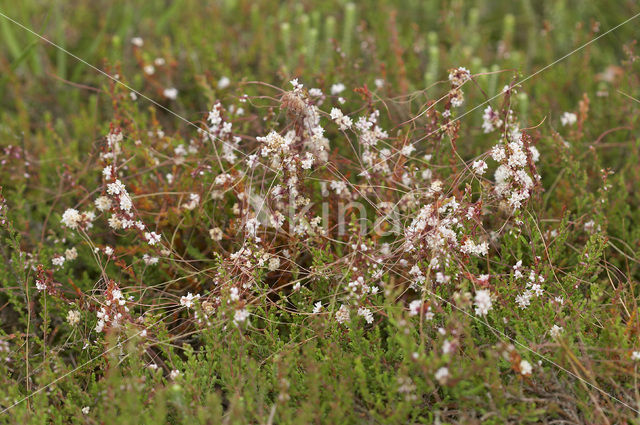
(414, 307)
(568, 118)
(337, 88)
(170, 93)
(459, 75)
(442, 375)
(223, 83)
(241, 315)
(479, 167)
(215, 234)
(471, 248)
(188, 300)
(343, 121)
(71, 254)
(194, 200)
(274, 263)
(107, 172)
(73, 317)
(490, 120)
(556, 331)
(366, 313)
(342, 315)
(149, 260)
(152, 237)
(103, 203)
(589, 226)
(525, 368)
(456, 97)
(317, 307)
(71, 218)
(483, 302)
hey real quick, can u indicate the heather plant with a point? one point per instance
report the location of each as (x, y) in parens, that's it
(365, 215)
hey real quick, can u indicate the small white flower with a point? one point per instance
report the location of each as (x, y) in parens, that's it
(366, 313)
(337, 88)
(149, 260)
(483, 302)
(414, 307)
(342, 315)
(568, 118)
(635, 356)
(71, 254)
(296, 84)
(479, 167)
(456, 97)
(442, 375)
(223, 83)
(73, 317)
(240, 315)
(170, 93)
(274, 263)
(85, 410)
(107, 172)
(307, 163)
(116, 188)
(408, 149)
(589, 226)
(174, 374)
(343, 121)
(556, 331)
(188, 300)
(137, 41)
(317, 307)
(152, 237)
(102, 203)
(71, 218)
(58, 260)
(459, 75)
(215, 234)
(194, 200)
(525, 368)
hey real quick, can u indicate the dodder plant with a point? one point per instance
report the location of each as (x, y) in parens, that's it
(300, 226)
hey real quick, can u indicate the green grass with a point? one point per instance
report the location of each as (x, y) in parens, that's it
(580, 229)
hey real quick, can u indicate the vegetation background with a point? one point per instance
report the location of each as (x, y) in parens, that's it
(299, 368)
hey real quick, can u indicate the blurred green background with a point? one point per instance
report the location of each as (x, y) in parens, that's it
(409, 43)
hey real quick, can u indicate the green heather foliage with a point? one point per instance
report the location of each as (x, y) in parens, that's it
(197, 256)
